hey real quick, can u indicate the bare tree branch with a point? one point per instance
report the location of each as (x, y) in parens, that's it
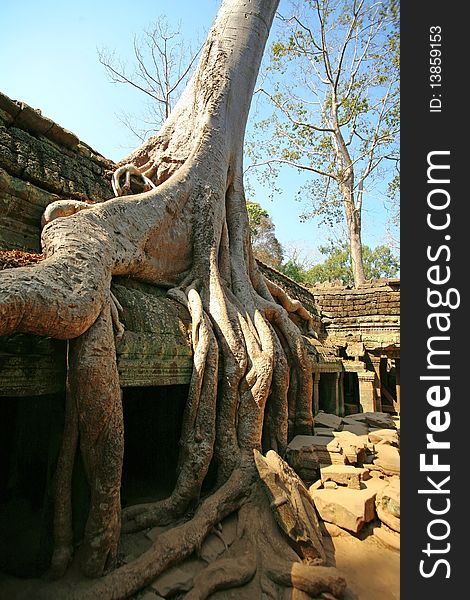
(162, 66)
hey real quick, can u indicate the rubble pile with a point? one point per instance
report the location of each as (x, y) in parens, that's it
(352, 468)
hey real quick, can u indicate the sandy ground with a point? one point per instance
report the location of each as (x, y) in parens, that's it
(371, 569)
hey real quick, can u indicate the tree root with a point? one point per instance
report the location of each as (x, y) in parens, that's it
(223, 574)
(198, 429)
(127, 170)
(62, 529)
(292, 306)
(251, 383)
(311, 579)
(169, 548)
(261, 559)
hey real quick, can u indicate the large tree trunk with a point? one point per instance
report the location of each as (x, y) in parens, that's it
(353, 222)
(355, 245)
(352, 209)
(189, 234)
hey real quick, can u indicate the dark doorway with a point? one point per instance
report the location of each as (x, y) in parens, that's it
(352, 403)
(152, 428)
(327, 391)
(30, 436)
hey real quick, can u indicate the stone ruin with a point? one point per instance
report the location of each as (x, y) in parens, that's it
(351, 463)
(352, 468)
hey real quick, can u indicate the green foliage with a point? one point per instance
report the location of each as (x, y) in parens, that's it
(256, 214)
(294, 270)
(331, 87)
(378, 262)
(335, 267)
(266, 246)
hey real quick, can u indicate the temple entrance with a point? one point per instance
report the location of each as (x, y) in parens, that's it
(152, 428)
(30, 434)
(327, 391)
(352, 404)
(30, 437)
(388, 381)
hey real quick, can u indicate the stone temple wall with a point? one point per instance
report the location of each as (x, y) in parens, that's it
(369, 314)
(41, 162)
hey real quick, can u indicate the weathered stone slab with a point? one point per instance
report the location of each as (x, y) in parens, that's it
(307, 453)
(388, 459)
(356, 428)
(379, 419)
(387, 537)
(292, 504)
(353, 445)
(384, 436)
(323, 419)
(355, 418)
(346, 475)
(31, 365)
(347, 508)
(325, 431)
(387, 504)
(155, 348)
(355, 349)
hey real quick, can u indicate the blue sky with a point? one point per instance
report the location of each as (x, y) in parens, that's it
(49, 59)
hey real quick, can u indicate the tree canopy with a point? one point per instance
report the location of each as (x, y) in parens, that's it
(379, 262)
(163, 62)
(332, 85)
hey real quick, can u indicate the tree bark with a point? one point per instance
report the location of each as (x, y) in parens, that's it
(353, 220)
(190, 234)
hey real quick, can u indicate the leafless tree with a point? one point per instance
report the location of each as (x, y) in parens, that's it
(335, 100)
(163, 63)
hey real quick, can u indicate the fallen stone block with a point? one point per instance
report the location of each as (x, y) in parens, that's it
(292, 505)
(355, 418)
(316, 485)
(347, 508)
(353, 446)
(387, 504)
(384, 436)
(387, 537)
(356, 428)
(325, 431)
(323, 419)
(388, 459)
(372, 419)
(307, 453)
(345, 475)
(332, 530)
(379, 419)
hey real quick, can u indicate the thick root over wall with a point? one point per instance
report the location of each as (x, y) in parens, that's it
(251, 387)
